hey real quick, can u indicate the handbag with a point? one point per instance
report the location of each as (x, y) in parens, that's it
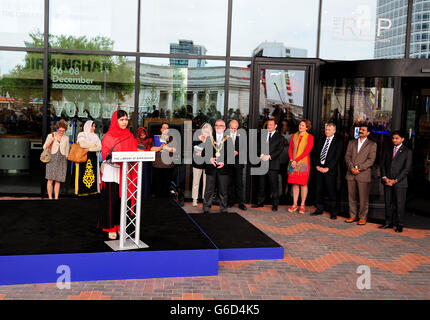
(45, 156)
(77, 153)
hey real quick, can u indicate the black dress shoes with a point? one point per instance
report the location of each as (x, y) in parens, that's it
(399, 228)
(386, 226)
(205, 211)
(316, 213)
(242, 207)
(274, 208)
(259, 205)
(333, 217)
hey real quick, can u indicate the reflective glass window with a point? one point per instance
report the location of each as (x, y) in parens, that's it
(348, 103)
(239, 92)
(271, 28)
(19, 20)
(362, 29)
(21, 107)
(93, 24)
(195, 27)
(185, 98)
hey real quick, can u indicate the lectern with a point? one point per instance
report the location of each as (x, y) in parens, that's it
(129, 236)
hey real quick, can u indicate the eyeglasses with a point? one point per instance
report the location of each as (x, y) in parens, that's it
(61, 131)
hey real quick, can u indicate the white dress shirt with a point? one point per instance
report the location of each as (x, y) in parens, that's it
(269, 135)
(360, 143)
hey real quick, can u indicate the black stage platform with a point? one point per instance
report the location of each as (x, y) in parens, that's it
(179, 244)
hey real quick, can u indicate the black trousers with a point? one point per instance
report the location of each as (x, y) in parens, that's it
(273, 177)
(236, 186)
(395, 205)
(326, 184)
(161, 179)
(221, 181)
(109, 216)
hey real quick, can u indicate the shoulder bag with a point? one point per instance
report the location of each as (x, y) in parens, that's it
(45, 156)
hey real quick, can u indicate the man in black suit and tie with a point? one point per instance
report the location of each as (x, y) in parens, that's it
(396, 163)
(276, 145)
(216, 168)
(329, 152)
(236, 192)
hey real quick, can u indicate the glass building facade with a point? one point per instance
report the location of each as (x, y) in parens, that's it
(195, 61)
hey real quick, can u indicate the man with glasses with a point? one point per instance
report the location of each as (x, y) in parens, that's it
(216, 168)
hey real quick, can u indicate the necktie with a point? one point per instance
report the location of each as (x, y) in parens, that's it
(270, 136)
(395, 152)
(323, 155)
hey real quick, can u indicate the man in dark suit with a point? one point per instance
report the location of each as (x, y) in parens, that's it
(216, 168)
(276, 145)
(396, 163)
(329, 152)
(236, 190)
(359, 158)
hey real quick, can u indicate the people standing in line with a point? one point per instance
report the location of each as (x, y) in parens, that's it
(144, 142)
(329, 152)
(359, 158)
(162, 173)
(285, 160)
(56, 168)
(396, 163)
(301, 145)
(88, 174)
(118, 138)
(217, 170)
(236, 188)
(199, 166)
(276, 145)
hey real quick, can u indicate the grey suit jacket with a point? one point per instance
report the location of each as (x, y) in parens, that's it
(363, 160)
(397, 168)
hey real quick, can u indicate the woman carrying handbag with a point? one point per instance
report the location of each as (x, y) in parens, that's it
(56, 168)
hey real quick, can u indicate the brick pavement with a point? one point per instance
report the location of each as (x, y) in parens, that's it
(320, 262)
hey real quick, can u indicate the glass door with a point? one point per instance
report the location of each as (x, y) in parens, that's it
(350, 102)
(417, 124)
(280, 91)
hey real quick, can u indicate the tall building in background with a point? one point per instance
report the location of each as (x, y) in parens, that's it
(420, 36)
(277, 49)
(187, 47)
(391, 21)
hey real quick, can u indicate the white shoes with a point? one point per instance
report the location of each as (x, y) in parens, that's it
(112, 235)
(194, 203)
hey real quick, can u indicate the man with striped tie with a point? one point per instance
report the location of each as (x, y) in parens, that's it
(329, 152)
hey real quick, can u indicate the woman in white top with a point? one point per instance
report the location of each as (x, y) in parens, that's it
(87, 175)
(57, 167)
(199, 165)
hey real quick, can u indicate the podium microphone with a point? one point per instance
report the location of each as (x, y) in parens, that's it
(109, 155)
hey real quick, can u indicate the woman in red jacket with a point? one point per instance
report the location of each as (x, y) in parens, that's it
(301, 144)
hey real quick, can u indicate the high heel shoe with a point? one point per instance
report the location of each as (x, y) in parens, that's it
(293, 209)
(302, 209)
(112, 235)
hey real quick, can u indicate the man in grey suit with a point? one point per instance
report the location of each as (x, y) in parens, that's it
(359, 158)
(396, 163)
